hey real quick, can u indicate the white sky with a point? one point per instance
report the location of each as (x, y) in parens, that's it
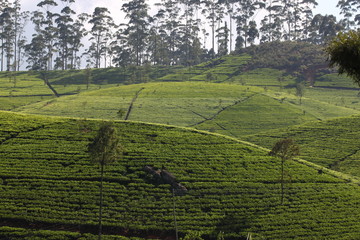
(324, 7)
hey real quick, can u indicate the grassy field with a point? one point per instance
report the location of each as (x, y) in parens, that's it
(47, 181)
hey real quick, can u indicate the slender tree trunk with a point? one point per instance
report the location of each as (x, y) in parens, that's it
(231, 34)
(46, 81)
(101, 200)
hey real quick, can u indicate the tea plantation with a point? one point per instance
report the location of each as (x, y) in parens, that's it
(233, 188)
(333, 144)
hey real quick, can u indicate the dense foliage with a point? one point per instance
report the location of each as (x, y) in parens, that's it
(345, 54)
(302, 60)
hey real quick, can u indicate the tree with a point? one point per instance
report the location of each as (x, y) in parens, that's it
(245, 23)
(344, 52)
(137, 31)
(102, 24)
(64, 35)
(323, 28)
(286, 149)
(300, 89)
(349, 8)
(223, 40)
(46, 28)
(104, 150)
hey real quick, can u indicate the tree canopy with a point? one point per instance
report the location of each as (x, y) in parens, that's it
(344, 52)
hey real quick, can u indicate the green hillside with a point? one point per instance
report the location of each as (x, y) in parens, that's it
(224, 108)
(333, 144)
(47, 182)
(230, 109)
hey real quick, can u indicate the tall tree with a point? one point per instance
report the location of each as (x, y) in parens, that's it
(223, 40)
(349, 9)
(78, 33)
(104, 150)
(137, 31)
(323, 28)
(64, 33)
(5, 36)
(246, 12)
(47, 29)
(102, 25)
(20, 19)
(214, 13)
(37, 56)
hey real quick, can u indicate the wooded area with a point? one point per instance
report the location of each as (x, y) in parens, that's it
(175, 35)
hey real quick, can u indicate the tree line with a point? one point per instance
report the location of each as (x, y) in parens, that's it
(176, 34)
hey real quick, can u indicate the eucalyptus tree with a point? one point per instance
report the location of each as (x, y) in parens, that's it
(189, 30)
(350, 11)
(101, 27)
(245, 13)
(223, 40)
(214, 13)
(137, 31)
(20, 19)
(323, 28)
(12, 25)
(271, 24)
(7, 35)
(37, 56)
(46, 28)
(64, 32)
(170, 23)
(104, 150)
(120, 48)
(307, 16)
(3, 5)
(75, 41)
(229, 6)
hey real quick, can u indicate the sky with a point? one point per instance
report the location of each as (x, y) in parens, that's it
(324, 7)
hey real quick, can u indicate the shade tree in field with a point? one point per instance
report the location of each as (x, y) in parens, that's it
(285, 149)
(104, 150)
(344, 53)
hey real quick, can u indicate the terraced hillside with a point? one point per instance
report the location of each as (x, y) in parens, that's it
(333, 144)
(233, 188)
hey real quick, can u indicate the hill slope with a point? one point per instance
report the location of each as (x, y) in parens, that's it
(333, 144)
(47, 180)
(225, 108)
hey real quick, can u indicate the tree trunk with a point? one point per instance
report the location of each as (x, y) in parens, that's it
(46, 81)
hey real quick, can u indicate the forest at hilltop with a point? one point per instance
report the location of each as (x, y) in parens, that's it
(170, 33)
